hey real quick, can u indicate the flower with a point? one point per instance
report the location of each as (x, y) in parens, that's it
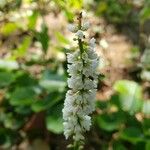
(82, 82)
(80, 34)
(72, 28)
(85, 26)
(92, 43)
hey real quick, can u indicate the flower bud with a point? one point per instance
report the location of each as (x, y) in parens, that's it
(80, 34)
(72, 28)
(85, 26)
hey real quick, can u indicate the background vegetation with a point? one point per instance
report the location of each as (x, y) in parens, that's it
(34, 41)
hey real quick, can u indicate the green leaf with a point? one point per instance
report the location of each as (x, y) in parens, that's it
(110, 122)
(6, 78)
(12, 122)
(69, 15)
(54, 124)
(8, 28)
(146, 126)
(132, 134)
(54, 121)
(32, 20)
(101, 104)
(8, 137)
(130, 95)
(43, 37)
(24, 79)
(147, 145)
(23, 47)
(145, 14)
(61, 38)
(47, 103)
(8, 64)
(52, 82)
(146, 107)
(117, 145)
(23, 96)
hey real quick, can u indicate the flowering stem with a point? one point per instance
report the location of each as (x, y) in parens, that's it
(80, 45)
(76, 145)
(79, 40)
(79, 101)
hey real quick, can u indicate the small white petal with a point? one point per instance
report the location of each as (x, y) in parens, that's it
(92, 42)
(86, 122)
(71, 58)
(80, 34)
(85, 26)
(72, 28)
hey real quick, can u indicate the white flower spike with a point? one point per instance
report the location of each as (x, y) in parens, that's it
(80, 98)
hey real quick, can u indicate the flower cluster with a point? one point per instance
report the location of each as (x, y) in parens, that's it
(79, 102)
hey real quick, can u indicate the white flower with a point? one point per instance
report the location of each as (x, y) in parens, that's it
(85, 26)
(75, 83)
(86, 122)
(92, 43)
(80, 34)
(89, 69)
(80, 99)
(71, 58)
(75, 69)
(89, 84)
(91, 54)
(72, 28)
(85, 56)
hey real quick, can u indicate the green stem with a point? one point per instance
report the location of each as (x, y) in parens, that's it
(79, 26)
(77, 144)
(80, 45)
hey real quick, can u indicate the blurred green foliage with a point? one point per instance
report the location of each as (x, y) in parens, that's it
(32, 84)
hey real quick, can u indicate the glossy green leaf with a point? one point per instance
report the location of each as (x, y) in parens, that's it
(147, 145)
(52, 82)
(61, 38)
(23, 96)
(132, 134)
(8, 28)
(11, 122)
(24, 79)
(43, 37)
(111, 122)
(54, 124)
(6, 78)
(130, 95)
(117, 145)
(23, 47)
(146, 107)
(54, 121)
(47, 103)
(146, 126)
(145, 14)
(101, 104)
(32, 20)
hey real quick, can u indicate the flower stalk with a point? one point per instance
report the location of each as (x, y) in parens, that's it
(79, 102)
